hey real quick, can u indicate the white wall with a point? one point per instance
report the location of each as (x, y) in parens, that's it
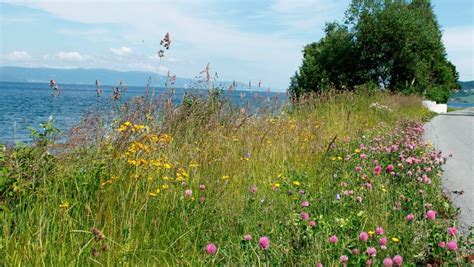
(438, 108)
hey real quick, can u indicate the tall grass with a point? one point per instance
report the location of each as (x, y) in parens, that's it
(156, 191)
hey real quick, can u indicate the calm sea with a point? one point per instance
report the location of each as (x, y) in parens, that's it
(25, 105)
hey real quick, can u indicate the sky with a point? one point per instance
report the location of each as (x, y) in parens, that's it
(243, 40)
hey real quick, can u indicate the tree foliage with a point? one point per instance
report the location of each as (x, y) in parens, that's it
(395, 44)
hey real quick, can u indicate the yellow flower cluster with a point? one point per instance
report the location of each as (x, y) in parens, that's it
(133, 127)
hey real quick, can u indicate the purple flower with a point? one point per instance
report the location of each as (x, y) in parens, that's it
(343, 259)
(211, 249)
(188, 192)
(371, 251)
(452, 245)
(379, 230)
(377, 170)
(398, 260)
(304, 216)
(304, 204)
(264, 243)
(452, 231)
(247, 237)
(430, 215)
(363, 236)
(312, 223)
(387, 262)
(333, 239)
(410, 217)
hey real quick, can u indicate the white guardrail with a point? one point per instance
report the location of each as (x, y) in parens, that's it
(438, 108)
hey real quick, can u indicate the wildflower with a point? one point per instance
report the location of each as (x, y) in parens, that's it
(390, 168)
(152, 194)
(165, 186)
(355, 251)
(202, 187)
(343, 259)
(247, 237)
(211, 249)
(452, 231)
(442, 244)
(383, 241)
(253, 189)
(167, 166)
(338, 196)
(188, 192)
(387, 262)
(312, 223)
(319, 265)
(395, 239)
(358, 168)
(398, 260)
(98, 235)
(304, 216)
(363, 156)
(377, 170)
(304, 204)
(193, 165)
(410, 217)
(225, 177)
(430, 215)
(357, 151)
(379, 230)
(452, 245)
(296, 183)
(264, 243)
(369, 262)
(371, 233)
(368, 186)
(363, 236)
(333, 239)
(64, 205)
(371, 251)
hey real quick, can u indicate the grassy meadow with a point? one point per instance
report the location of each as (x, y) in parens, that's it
(338, 179)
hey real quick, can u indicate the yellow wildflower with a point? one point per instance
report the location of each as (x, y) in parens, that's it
(371, 233)
(225, 177)
(167, 166)
(122, 128)
(165, 186)
(193, 165)
(276, 185)
(152, 194)
(297, 183)
(166, 178)
(64, 205)
(357, 151)
(396, 240)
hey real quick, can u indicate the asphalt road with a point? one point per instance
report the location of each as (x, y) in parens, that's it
(454, 133)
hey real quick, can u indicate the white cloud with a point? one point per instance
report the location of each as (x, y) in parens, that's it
(18, 56)
(201, 39)
(70, 56)
(122, 51)
(459, 43)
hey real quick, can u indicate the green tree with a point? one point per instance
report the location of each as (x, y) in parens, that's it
(395, 44)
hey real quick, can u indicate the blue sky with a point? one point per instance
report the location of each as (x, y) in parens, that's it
(242, 40)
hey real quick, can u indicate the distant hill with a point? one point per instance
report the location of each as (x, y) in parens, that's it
(467, 85)
(88, 76)
(466, 94)
(83, 76)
